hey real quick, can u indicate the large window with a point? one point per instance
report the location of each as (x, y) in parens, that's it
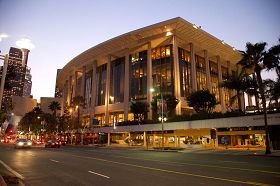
(88, 88)
(162, 63)
(185, 71)
(200, 72)
(138, 75)
(100, 84)
(117, 81)
(226, 91)
(214, 79)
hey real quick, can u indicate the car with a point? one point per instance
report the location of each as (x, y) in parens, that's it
(23, 143)
(52, 144)
(62, 142)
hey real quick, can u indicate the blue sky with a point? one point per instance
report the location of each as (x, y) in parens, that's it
(63, 29)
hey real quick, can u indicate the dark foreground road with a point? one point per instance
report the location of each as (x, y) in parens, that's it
(104, 166)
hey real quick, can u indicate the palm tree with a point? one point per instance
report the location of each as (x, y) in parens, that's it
(238, 82)
(253, 59)
(54, 107)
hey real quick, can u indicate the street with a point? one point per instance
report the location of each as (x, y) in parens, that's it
(70, 165)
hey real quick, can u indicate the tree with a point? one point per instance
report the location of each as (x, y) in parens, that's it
(30, 121)
(139, 109)
(171, 103)
(256, 58)
(54, 107)
(202, 101)
(238, 82)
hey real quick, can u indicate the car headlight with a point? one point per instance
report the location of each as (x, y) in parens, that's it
(29, 143)
(20, 143)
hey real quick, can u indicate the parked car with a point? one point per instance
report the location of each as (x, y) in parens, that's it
(23, 143)
(53, 144)
(62, 142)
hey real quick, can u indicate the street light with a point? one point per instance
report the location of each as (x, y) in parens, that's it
(161, 118)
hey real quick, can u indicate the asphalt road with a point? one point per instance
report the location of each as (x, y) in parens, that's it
(106, 166)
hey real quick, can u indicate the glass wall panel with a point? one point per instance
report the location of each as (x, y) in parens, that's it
(117, 117)
(162, 70)
(101, 72)
(100, 118)
(200, 72)
(117, 81)
(214, 79)
(88, 89)
(226, 91)
(185, 71)
(138, 75)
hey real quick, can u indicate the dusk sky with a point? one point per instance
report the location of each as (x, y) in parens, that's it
(62, 29)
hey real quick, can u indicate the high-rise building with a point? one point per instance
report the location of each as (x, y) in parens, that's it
(17, 77)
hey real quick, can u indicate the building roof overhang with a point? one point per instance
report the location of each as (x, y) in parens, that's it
(185, 32)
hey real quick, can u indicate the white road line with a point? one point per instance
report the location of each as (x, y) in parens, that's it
(99, 174)
(234, 161)
(11, 170)
(54, 160)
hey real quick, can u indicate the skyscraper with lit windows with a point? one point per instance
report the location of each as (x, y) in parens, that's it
(17, 77)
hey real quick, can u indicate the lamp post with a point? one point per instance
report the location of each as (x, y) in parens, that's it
(161, 118)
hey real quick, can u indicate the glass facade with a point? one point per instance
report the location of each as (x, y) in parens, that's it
(200, 72)
(214, 79)
(100, 118)
(225, 75)
(138, 75)
(88, 83)
(185, 72)
(100, 84)
(162, 70)
(117, 81)
(116, 117)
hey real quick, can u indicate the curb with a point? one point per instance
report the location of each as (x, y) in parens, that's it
(2, 181)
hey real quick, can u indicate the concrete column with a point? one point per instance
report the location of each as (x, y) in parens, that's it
(208, 75)
(242, 102)
(221, 90)
(126, 86)
(107, 97)
(4, 73)
(193, 69)
(176, 73)
(145, 139)
(250, 100)
(176, 138)
(69, 91)
(149, 79)
(83, 85)
(109, 138)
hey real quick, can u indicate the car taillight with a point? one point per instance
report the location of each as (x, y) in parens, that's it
(53, 143)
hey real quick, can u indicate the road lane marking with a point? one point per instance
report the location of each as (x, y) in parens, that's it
(234, 161)
(54, 160)
(99, 174)
(203, 165)
(11, 170)
(176, 172)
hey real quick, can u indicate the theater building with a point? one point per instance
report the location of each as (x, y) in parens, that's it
(173, 56)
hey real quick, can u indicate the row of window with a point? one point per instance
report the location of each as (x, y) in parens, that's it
(162, 75)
